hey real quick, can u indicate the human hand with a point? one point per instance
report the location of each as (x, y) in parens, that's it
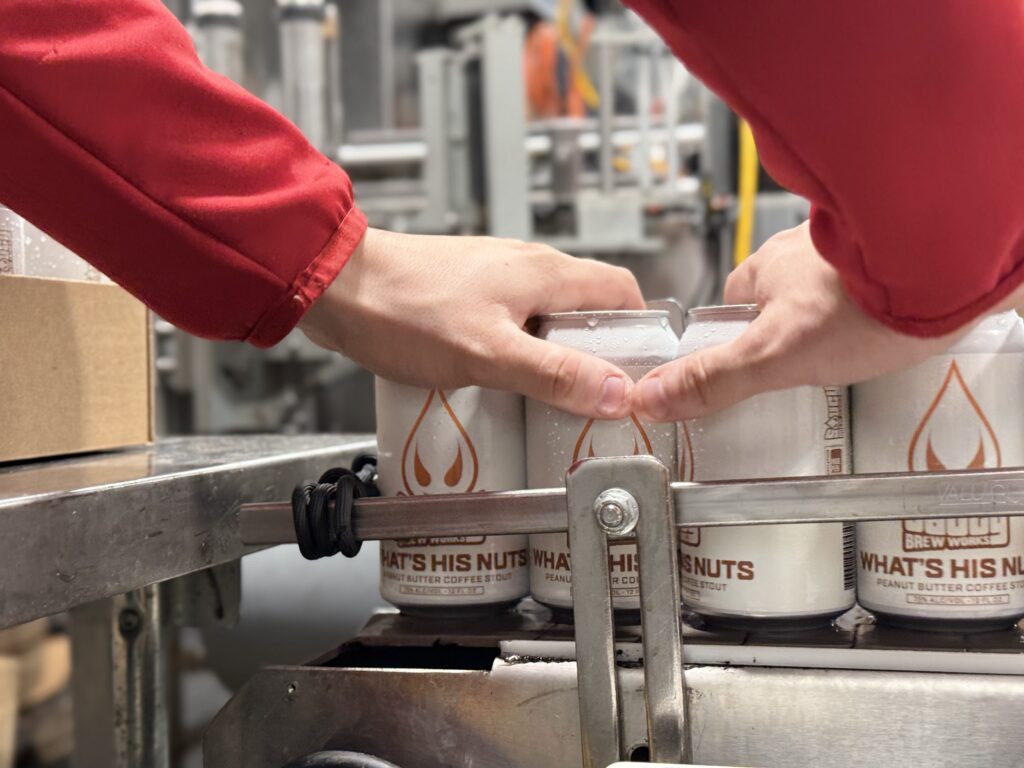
(447, 312)
(808, 332)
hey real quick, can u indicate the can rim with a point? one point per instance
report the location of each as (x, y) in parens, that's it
(605, 314)
(733, 311)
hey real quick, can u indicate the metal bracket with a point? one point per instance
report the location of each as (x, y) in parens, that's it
(612, 498)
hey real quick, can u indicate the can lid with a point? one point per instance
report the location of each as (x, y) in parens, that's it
(725, 312)
(609, 314)
(229, 11)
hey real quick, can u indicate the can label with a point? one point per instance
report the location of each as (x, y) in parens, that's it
(951, 412)
(12, 244)
(571, 438)
(454, 441)
(774, 571)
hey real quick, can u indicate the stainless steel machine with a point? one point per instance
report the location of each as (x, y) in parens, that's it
(521, 690)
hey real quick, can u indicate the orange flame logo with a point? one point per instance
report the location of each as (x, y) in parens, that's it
(441, 430)
(944, 417)
(609, 436)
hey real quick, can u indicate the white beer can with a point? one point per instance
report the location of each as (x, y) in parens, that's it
(958, 410)
(451, 441)
(766, 576)
(637, 342)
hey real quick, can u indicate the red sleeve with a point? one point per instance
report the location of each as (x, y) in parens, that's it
(179, 185)
(903, 122)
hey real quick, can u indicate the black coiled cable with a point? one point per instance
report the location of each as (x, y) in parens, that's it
(322, 511)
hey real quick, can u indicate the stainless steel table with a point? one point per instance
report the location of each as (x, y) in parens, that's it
(96, 535)
(79, 529)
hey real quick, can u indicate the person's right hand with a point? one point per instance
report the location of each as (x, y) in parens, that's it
(809, 332)
(447, 312)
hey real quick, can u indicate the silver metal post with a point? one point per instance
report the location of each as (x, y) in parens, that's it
(671, 120)
(606, 113)
(335, 93)
(220, 41)
(432, 65)
(504, 107)
(304, 67)
(592, 611)
(660, 612)
(643, 116)
(119, 682)
(613, 499)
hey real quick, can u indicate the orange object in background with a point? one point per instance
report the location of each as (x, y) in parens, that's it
(540, 71)
(556, 83)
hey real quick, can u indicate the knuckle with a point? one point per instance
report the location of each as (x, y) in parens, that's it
(695, 381)
(625, 277)
(561, 373)
(476, 360)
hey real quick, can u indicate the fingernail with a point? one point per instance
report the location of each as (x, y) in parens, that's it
(653, 399)
(613, 396)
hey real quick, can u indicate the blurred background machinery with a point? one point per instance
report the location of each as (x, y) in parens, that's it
(564, 122)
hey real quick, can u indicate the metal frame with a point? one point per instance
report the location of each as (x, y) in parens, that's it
(615, 497)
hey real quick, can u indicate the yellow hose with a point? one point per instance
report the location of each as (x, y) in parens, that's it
(746, 194)
(581, 80)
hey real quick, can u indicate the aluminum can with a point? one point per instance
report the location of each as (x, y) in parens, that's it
(637, 342)
(958, 410)
(764, 577)
(451, 441)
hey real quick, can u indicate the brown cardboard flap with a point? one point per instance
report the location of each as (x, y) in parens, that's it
(74, 368)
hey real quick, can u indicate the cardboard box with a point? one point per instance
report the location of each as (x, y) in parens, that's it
(75, 368)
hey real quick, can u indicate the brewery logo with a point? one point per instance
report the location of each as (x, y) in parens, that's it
(954, 433)
(685, 454)
(835, 407)
(438, 456)
(689, 536)
(612, 438)
(958, 533)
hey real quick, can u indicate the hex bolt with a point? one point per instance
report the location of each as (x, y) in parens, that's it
(129, 622)
(617, 512)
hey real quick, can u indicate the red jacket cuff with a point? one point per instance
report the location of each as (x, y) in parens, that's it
(286, 312)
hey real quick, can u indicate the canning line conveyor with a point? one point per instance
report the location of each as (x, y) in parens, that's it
(521, 690)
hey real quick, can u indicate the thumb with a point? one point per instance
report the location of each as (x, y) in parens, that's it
(709, 380)
(560, 376)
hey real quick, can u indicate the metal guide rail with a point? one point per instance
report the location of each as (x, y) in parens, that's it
(611, 498)
(850, 498)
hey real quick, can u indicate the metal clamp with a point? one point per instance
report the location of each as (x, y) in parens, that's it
(610, 498)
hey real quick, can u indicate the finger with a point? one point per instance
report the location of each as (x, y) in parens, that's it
(740, 284)
(714, 378)
(565, 378)
(584, 284)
